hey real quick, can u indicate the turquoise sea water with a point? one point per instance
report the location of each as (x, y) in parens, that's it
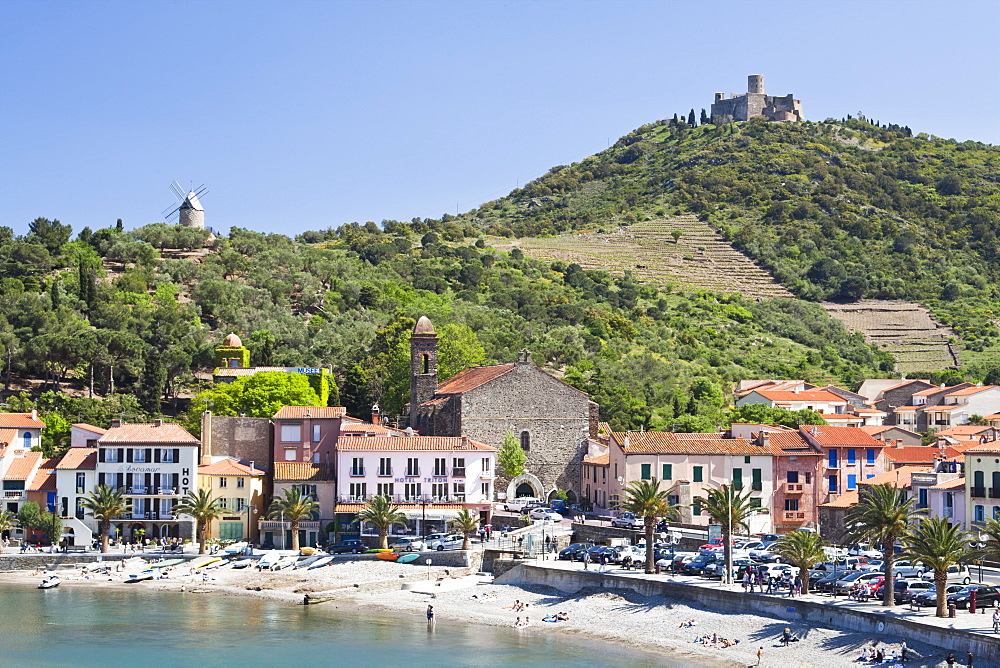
(79, 626)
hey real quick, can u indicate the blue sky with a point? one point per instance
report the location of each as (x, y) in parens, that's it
(306, 115)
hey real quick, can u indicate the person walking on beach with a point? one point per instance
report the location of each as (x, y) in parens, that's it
(760, 653)
(430, 613)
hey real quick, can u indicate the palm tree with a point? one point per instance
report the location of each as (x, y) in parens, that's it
(294, 507)
(200, 505)
(383, 513)
(938, 544)
(648, 501)
(803, 549)
(6, 521)
(466, 523)
(728, 507)
(881, 516)
(105, 504)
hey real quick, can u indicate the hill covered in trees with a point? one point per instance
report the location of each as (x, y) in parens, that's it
(835, 210)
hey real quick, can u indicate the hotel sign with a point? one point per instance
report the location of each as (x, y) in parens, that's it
(405, 480)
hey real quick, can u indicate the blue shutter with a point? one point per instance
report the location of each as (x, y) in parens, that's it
(871, 455)
(852, 481)
(852, 455)
(833, 459)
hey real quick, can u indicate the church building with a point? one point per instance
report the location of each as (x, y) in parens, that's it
(551, 420)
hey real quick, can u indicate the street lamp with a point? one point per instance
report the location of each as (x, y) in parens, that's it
(979, 546)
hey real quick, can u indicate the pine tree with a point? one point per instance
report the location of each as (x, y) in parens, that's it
(154, 379)
(704, 118)
(675, 120)
(691, 120)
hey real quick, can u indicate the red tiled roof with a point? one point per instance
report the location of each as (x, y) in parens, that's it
(472, 378)
(23, 467)
(789, 442)
(78, 459)
(897, 477)
(598, 460)
(90, 427)
(992, 416)
(869, 411)
(912, 453)
(907, 409)
(841, 436)
(845, 500)
(965, 430)
(957, 483)
(7, 436)
(668, 443)
(435, 402)
(878, 429)
(20, 421)
(367, 428)
(229, 467)
(167, 432)
(45, 476)
(988, 446)
(807, 395)
(944, 409)
(384, 443)
(300, 412)
(301, 471)
(975, 389)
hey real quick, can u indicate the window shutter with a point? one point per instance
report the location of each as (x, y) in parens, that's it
(156, 456)
(128, 455)
(149, 455)
(177, 455)
(100, 477)
(100, 455)
(121, 454)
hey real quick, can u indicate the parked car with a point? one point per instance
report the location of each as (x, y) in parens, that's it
(571, 551)
(543, 513)
(712, 544)
(439, 542)
(844, 584)
(777, 570)
(763, 549)
(770, 538)
(347, 545)
(694, 566)
(956, 574)
(681, 558)
(627, 520)
(903, 590)
(986, 595)
(928, 597)
(718, 568)
(408, 544)
(827, 584)
(520, 504)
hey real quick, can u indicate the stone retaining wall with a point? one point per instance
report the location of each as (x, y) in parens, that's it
(594, 533)
(875, 622)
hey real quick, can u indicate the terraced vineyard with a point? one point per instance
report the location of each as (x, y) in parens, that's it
(699, 259)
(905, 329)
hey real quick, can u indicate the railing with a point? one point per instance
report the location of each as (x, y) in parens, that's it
(794, 488)
(458, 472)
(403, 498)
(737, 485)
(358, 472)
(413, 473)
(948, 512)
(385, 473)
(271, 525)
(136, 490)
(440, 473)
(486, 475)
(757, 486)
(792, 515)
(995, 492)
(13, 493)
(168, 490)
(978, 492)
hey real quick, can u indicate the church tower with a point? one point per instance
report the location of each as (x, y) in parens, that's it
(423, 366)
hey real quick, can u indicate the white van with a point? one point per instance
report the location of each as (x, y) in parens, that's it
(957, 574)
(520, 504)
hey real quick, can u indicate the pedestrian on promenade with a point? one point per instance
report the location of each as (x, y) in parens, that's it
(950, 659)
(968, 658)
(798, 585)
(760, 653)
(746, 581)
(586, 560)
(902, 652)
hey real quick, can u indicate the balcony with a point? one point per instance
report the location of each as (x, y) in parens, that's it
(794, 488)
(272, 525)
(168, 490)
(486, 475)
(358, 472)
(995, 492)
(137, 490)
(978, 492)
(793, 516)
(948, 512)
(413, 473)
(756, 486)
(14, 494)
(385, 473)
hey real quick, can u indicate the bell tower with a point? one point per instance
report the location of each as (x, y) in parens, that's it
(423, 366)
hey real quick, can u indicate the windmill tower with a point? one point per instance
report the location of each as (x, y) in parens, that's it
(189, 211)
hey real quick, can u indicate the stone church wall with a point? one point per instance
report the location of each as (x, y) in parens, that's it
(556, 416)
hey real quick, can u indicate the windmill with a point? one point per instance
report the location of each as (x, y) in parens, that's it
(189, 210)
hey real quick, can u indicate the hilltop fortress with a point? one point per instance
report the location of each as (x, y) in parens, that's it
(756, 103)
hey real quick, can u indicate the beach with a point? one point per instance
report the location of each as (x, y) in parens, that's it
(620, 617)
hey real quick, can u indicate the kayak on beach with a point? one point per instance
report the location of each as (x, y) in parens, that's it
(202, 562)
(407, 558)
(168, 562)
(376, 550)
(322, 561)
(387, 556)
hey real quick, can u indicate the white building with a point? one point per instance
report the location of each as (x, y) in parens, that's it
(430, 477)
(958, 406)
(156, 464)
(820, 401)
(83, 435)
(76, 476)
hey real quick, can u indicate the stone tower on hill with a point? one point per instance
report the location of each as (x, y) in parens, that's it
(756, 103)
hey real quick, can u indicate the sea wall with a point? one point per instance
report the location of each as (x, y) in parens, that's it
(874, 622)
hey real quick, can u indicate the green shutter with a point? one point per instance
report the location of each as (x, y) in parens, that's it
(756, 484)
(738, 478)
(698, 476)
(696, 507)
(646, 471)
(668, 471)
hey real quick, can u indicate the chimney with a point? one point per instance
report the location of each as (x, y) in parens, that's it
(116, 423)
(34, 414)
(626, 444)
(376, 414)
(765, 439)
(157, 422)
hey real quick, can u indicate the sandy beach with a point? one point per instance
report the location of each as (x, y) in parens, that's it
(621, 617)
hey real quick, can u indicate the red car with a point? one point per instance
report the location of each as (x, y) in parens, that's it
(712, 544)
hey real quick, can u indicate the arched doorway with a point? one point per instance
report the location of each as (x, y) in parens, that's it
(526, 484)
(69, 536)
(571, 497)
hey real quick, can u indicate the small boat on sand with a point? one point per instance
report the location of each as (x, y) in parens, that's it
(243, 563)
(321, 562)
(285, 562)
(268, 560)
(147, 574)
(387, 556)
(407, 558)
(202, 562)
(167, 562)
(49, 583)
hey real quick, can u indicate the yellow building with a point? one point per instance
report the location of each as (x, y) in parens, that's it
(241, 491)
